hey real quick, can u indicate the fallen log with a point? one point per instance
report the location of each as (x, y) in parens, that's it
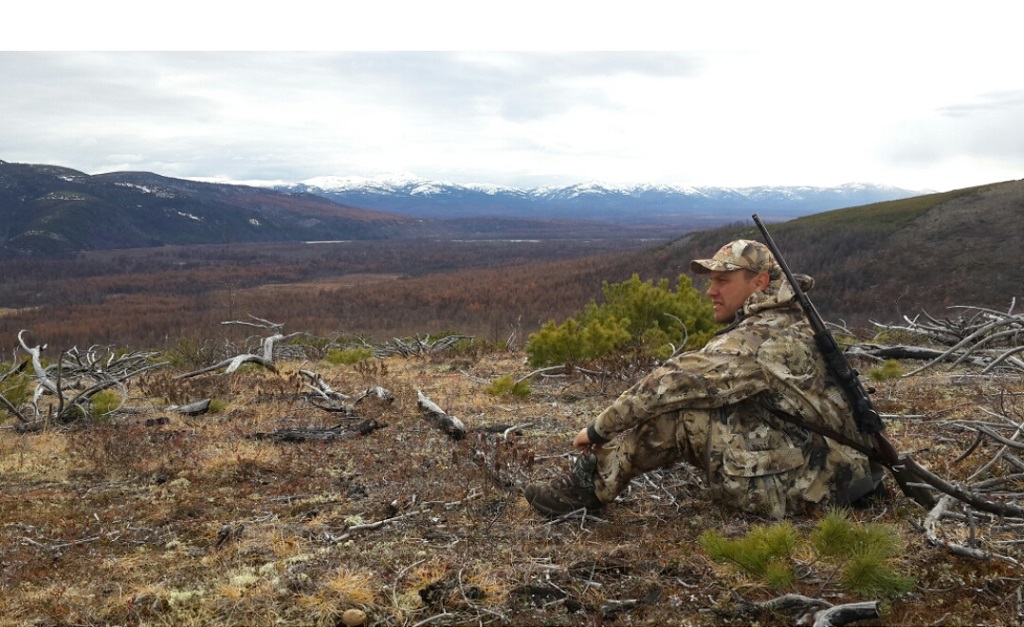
(192, 409)
(337, 432)
(823, 613)
(322, 389)
(448, 424)
(848, 613)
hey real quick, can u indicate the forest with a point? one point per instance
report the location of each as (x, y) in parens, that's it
(147, 298)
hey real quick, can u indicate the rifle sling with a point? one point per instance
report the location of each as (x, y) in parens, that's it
(871, 453)
(900, 472)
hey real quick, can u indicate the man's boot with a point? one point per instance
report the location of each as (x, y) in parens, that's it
(569, 492)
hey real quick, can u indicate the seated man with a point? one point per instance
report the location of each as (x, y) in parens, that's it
(732, 409)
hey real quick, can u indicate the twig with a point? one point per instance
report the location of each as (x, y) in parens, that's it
(350, 531)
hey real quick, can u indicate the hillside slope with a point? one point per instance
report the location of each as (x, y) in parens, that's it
(49, 209)
(885, 260)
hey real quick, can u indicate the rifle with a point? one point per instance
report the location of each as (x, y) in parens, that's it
(864, 414)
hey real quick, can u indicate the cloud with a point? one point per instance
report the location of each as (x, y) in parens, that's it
(792, 115)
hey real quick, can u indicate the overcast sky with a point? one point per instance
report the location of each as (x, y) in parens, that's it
(921, 95)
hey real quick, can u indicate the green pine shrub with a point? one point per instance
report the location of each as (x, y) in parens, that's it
(104, 402)
(17, 388)
(862, 554)
(507, 387)
(639, 316)
(765, 552)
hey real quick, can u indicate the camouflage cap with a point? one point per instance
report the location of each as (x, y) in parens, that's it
(742, 254)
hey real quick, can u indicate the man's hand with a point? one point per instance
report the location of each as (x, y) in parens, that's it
(582, 440)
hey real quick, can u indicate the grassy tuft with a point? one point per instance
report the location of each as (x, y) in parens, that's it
(507, 387)
(890, 369)
(348, 356)
(862, 553)
(764, 551)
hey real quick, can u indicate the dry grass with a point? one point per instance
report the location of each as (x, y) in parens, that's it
(194, 522)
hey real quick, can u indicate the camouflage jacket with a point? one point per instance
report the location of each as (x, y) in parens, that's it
(766, 357)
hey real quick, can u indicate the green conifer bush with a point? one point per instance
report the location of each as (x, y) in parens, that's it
(649, 319)
(862, 555)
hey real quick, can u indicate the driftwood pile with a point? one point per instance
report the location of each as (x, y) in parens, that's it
(990, 502)
(984, 338)
(63, 391)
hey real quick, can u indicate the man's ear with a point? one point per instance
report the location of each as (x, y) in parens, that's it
(761, 281)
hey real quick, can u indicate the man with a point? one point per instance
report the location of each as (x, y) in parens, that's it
(733, 409)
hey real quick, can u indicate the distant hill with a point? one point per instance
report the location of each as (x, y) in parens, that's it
(48, 209)
(885, 260)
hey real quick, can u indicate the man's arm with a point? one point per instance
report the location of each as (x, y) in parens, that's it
(724, 372)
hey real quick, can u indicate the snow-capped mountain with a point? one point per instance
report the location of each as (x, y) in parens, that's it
(648, 204)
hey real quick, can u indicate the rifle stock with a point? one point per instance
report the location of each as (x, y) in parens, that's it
(864, 414)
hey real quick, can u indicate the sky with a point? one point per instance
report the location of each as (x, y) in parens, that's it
(919, 95)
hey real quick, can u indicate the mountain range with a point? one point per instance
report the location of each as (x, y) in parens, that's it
(46, 209)
(634, 204)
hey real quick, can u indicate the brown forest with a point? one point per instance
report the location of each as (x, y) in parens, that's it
(145, 298)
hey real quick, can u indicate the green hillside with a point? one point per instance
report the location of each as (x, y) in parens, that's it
(881, 261)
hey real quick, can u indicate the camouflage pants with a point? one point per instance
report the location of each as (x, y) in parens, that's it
(750, 465)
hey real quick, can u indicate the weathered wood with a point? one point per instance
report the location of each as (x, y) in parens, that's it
(377, 392)
(231, 365)
(41, 376)
(494, 449)
(418, 346)
(266, 359)
(337, 432)
(192, 409)
(321, 388)
(793, 605)
(970, 497)
(335, 401)
(848, 613)
(983, 337)
(450, 425)
(930, 525)
(82, 373)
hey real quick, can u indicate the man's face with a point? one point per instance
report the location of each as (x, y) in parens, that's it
(729, 290)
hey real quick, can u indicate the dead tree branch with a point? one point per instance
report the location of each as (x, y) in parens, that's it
(265, 359)
(847, 613)
(981, 337)
(493, 448)
(259, 324)
(448, 424)
(76, 377)
(799, 607)
(334, 401)
(418, 346)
